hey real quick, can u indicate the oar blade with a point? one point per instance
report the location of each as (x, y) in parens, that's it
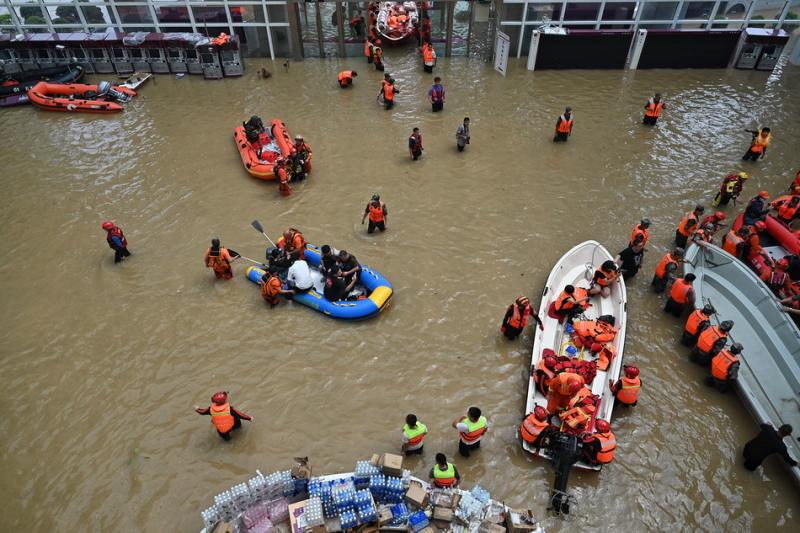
(257, 225)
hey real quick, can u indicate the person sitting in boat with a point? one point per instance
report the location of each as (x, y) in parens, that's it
(349, 266)
(272, 287)
(534, 428)
(579, 412)
(680, 295)
(599, 447)
(327, 259)
(571, 302)
(219, 259)
(626, 389)
(604, 278)
(725, 368)
(299, 278)
(336, 288)
(253, 128)
(698, 321)
(517, 317)
(757, 208)
(776, 277)
(561, 389)
(666, 270)
(545, 370)
(293, 243)
(594, 333)
(710, 342)
(787, 208)
(303, 152)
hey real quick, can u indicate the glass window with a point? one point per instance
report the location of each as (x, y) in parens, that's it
(659, 10)
(190, 53)
(30, 14)
(134, 14)
(5, 16)
(204, 14)
(581, 11)
(153, 53)
(246, 14)
(731, 10)
(280, 41)
(98, 53)
(119, 53)
(619, 11)
(63, 14)
(276, 13)
(173, 14)
(512, 12)
(174, 53)
(78, 53)
(696, 10)
(539, 12)
(42, 53)
(136, 53)
(96, 15)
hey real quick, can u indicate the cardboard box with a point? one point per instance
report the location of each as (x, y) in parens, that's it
(297, 522)
(490, 527)
(301, 469)
(520, 521)
(443, 514)
(376, 459)
(384, 516)
(417, 495)
(392, 464)
(222, 527)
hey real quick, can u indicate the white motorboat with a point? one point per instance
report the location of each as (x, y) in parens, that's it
(769, 372)
(576, 268)
(397, 21)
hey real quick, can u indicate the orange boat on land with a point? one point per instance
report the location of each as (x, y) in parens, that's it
(79, 97)
(279, 145)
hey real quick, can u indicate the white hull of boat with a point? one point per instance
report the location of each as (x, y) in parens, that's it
(382, 23)
(769, 373)
(576, 268)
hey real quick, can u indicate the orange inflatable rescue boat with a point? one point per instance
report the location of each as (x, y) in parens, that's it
(78, 97)
(272, 143)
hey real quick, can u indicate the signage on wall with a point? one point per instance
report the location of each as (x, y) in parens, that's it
(502, 45)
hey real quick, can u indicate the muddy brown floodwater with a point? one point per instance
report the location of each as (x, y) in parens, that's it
(102, 363)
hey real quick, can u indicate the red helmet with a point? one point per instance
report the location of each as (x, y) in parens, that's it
(602, 426)
(719, 215)
(761, 225)
(550, 361)
(108, 225)
(783, 263)
(574, 386)
(631, 371)
(378, 42)
(220, 398)
(540, 413)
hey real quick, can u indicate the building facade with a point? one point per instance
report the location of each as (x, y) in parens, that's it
(297, 28)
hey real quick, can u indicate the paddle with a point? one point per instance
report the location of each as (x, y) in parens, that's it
(259, 228)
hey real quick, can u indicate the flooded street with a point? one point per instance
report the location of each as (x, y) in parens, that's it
(103, 363)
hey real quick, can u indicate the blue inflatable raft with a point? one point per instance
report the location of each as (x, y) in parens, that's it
(379, 291)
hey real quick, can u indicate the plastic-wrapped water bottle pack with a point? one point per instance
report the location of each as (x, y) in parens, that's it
(399, 514)
(481, 494)
(348, 519)
(365, 507)
(211, 516)
(344, 495)
(364, 470)
(313, 512)
(418, 521)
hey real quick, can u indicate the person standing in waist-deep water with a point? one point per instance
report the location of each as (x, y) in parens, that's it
(471, 429)
(116, 241)
(564, 126)
(517, 317)
(345, 78)
(462, 135)
(377, 212)
(415, 144)
(388, 90)
(758, 145)
(767, 442)
(377, 55)
(630, 259)
(653, 109)
(428, 57)
(436, 95)
(224, 416)
(219, 259)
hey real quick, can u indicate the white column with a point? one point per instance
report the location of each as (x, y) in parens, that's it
(533, 49)
(636, 49)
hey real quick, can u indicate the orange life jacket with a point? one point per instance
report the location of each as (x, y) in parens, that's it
(427, 54)
(731, 243)
(661, 267)
(560, 383)
(531, 428)
(296, 243)
(565, 126)
(605, 356)
(271, 289)
(786, 211)
(376, 213)
(577, 417)
(638, 230)
(606, 278)
(596, 331)
(519, 320)
(367, 48)
(760, 142)
(694, 321)
(220, 262)
(608, 445)
(475, 435)
(221, 417)
(685, 228)
(565, 301)
(721, 365)
(680, 291)
(344, 76)
(388, 92)
(543, 375)
(654, 109)
(629, 392)
(708, 338)
(704, 235)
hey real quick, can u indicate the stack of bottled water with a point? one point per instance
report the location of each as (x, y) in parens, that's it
(480, 494)
(469, 508)
(312, 513)
(280, 484)
(394, 490)
(317, 488)
(258, 487)
(365, 507)
(364, 470)
(406, 479)
(228, 504)
(348, 519)
(399, 514)
(418, 521)
(211, 516)
(344, 495)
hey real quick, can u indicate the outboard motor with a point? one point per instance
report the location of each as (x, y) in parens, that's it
(566, 450)
(105, 89)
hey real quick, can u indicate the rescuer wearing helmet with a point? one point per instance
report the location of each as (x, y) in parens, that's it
(545, 370)
(224, 417)
(724, 368)
(116, 240)
(516, 318)
(715, 219)
(561, 389)
(731, 188)
(599, 447)
(626, 390)
(302, 153)
(757, 208)
(710, 342)
(535, 427)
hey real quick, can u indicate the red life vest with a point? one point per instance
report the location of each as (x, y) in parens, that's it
(388, 92)
(629, 392)
(116, 232)
(608, 444)
(221, 417)
(786, 212)
(375, 213)
(661, 267)
(654, 109)
(531, 428)
(565, 126)
(680, 291)
(519, 320)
